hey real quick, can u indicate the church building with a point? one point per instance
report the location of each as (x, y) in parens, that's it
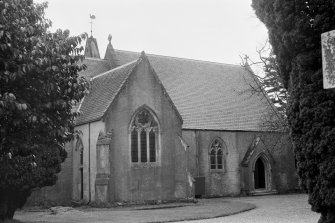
(160, 128)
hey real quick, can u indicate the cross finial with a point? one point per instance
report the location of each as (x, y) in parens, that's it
(246, 58)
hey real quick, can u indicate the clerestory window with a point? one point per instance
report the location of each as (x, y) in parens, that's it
(144, 138)
(216, 155)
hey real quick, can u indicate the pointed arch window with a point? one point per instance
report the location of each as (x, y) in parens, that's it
(217, 155)
(144, 138)
(80, 181)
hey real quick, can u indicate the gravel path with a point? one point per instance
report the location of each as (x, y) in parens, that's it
(204, 209)
(291, 208)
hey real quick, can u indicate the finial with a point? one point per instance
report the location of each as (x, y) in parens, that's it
(143, 55)
(246, 58)
(109, 38)
(92, 17)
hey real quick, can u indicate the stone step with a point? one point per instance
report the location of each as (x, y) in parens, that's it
(263, 192)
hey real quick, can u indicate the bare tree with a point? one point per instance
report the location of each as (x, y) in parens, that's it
(267, 82)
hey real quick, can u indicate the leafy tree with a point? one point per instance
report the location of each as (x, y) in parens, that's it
(39, 85)
(295, 29)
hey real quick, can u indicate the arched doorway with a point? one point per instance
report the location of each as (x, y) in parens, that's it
(259, 175)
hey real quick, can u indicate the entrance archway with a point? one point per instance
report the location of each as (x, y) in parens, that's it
(260, 175)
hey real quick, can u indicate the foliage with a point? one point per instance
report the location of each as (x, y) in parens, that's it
(39, 85)
(295, 29)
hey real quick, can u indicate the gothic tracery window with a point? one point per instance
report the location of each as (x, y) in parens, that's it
(143, 137)
(216, 155)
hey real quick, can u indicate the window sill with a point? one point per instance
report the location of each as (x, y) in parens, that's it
(144, 165)
(217, 170)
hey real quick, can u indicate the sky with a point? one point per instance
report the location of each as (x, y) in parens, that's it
(210, 30)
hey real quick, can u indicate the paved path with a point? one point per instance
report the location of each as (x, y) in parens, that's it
(271, 209)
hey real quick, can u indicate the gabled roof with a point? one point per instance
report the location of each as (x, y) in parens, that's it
(250, 151)
(208, 95)
(104, 88)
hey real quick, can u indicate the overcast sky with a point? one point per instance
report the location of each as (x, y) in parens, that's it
(212, 30)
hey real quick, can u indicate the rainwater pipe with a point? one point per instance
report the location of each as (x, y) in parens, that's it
(89, 162)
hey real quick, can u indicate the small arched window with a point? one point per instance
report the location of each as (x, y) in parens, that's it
(80, 149)
(143, 137)
(216, 154)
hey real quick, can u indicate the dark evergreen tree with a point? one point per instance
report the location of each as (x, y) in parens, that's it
(39, 85)
(295, 29)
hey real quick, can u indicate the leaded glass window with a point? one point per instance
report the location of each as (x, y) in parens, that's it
(213, 159)
(144, 133)
(216, 155)
(143, 146)
(134, 146)
(152, 146)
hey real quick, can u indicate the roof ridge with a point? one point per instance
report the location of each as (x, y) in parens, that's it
(93, 58)
(116, 68)
(180, 58)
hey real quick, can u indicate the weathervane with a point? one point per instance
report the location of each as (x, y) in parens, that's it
(92, 17)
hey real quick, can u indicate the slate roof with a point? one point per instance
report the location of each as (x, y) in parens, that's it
(212, 96)
(208, 95)
(104, 88)
(94, 67)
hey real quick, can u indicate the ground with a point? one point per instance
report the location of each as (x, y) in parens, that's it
(274, 208)
(291, 208)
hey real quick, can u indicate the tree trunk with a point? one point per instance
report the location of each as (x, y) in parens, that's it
(10, 200)
(327, 217)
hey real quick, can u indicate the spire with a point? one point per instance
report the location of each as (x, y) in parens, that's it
(91, 48)
(110, 54)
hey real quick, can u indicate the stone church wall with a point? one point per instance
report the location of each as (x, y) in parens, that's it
(235, 179)
(90, 133)
(164, 180)
(278, 149)
(67, 186)
(224, 182)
